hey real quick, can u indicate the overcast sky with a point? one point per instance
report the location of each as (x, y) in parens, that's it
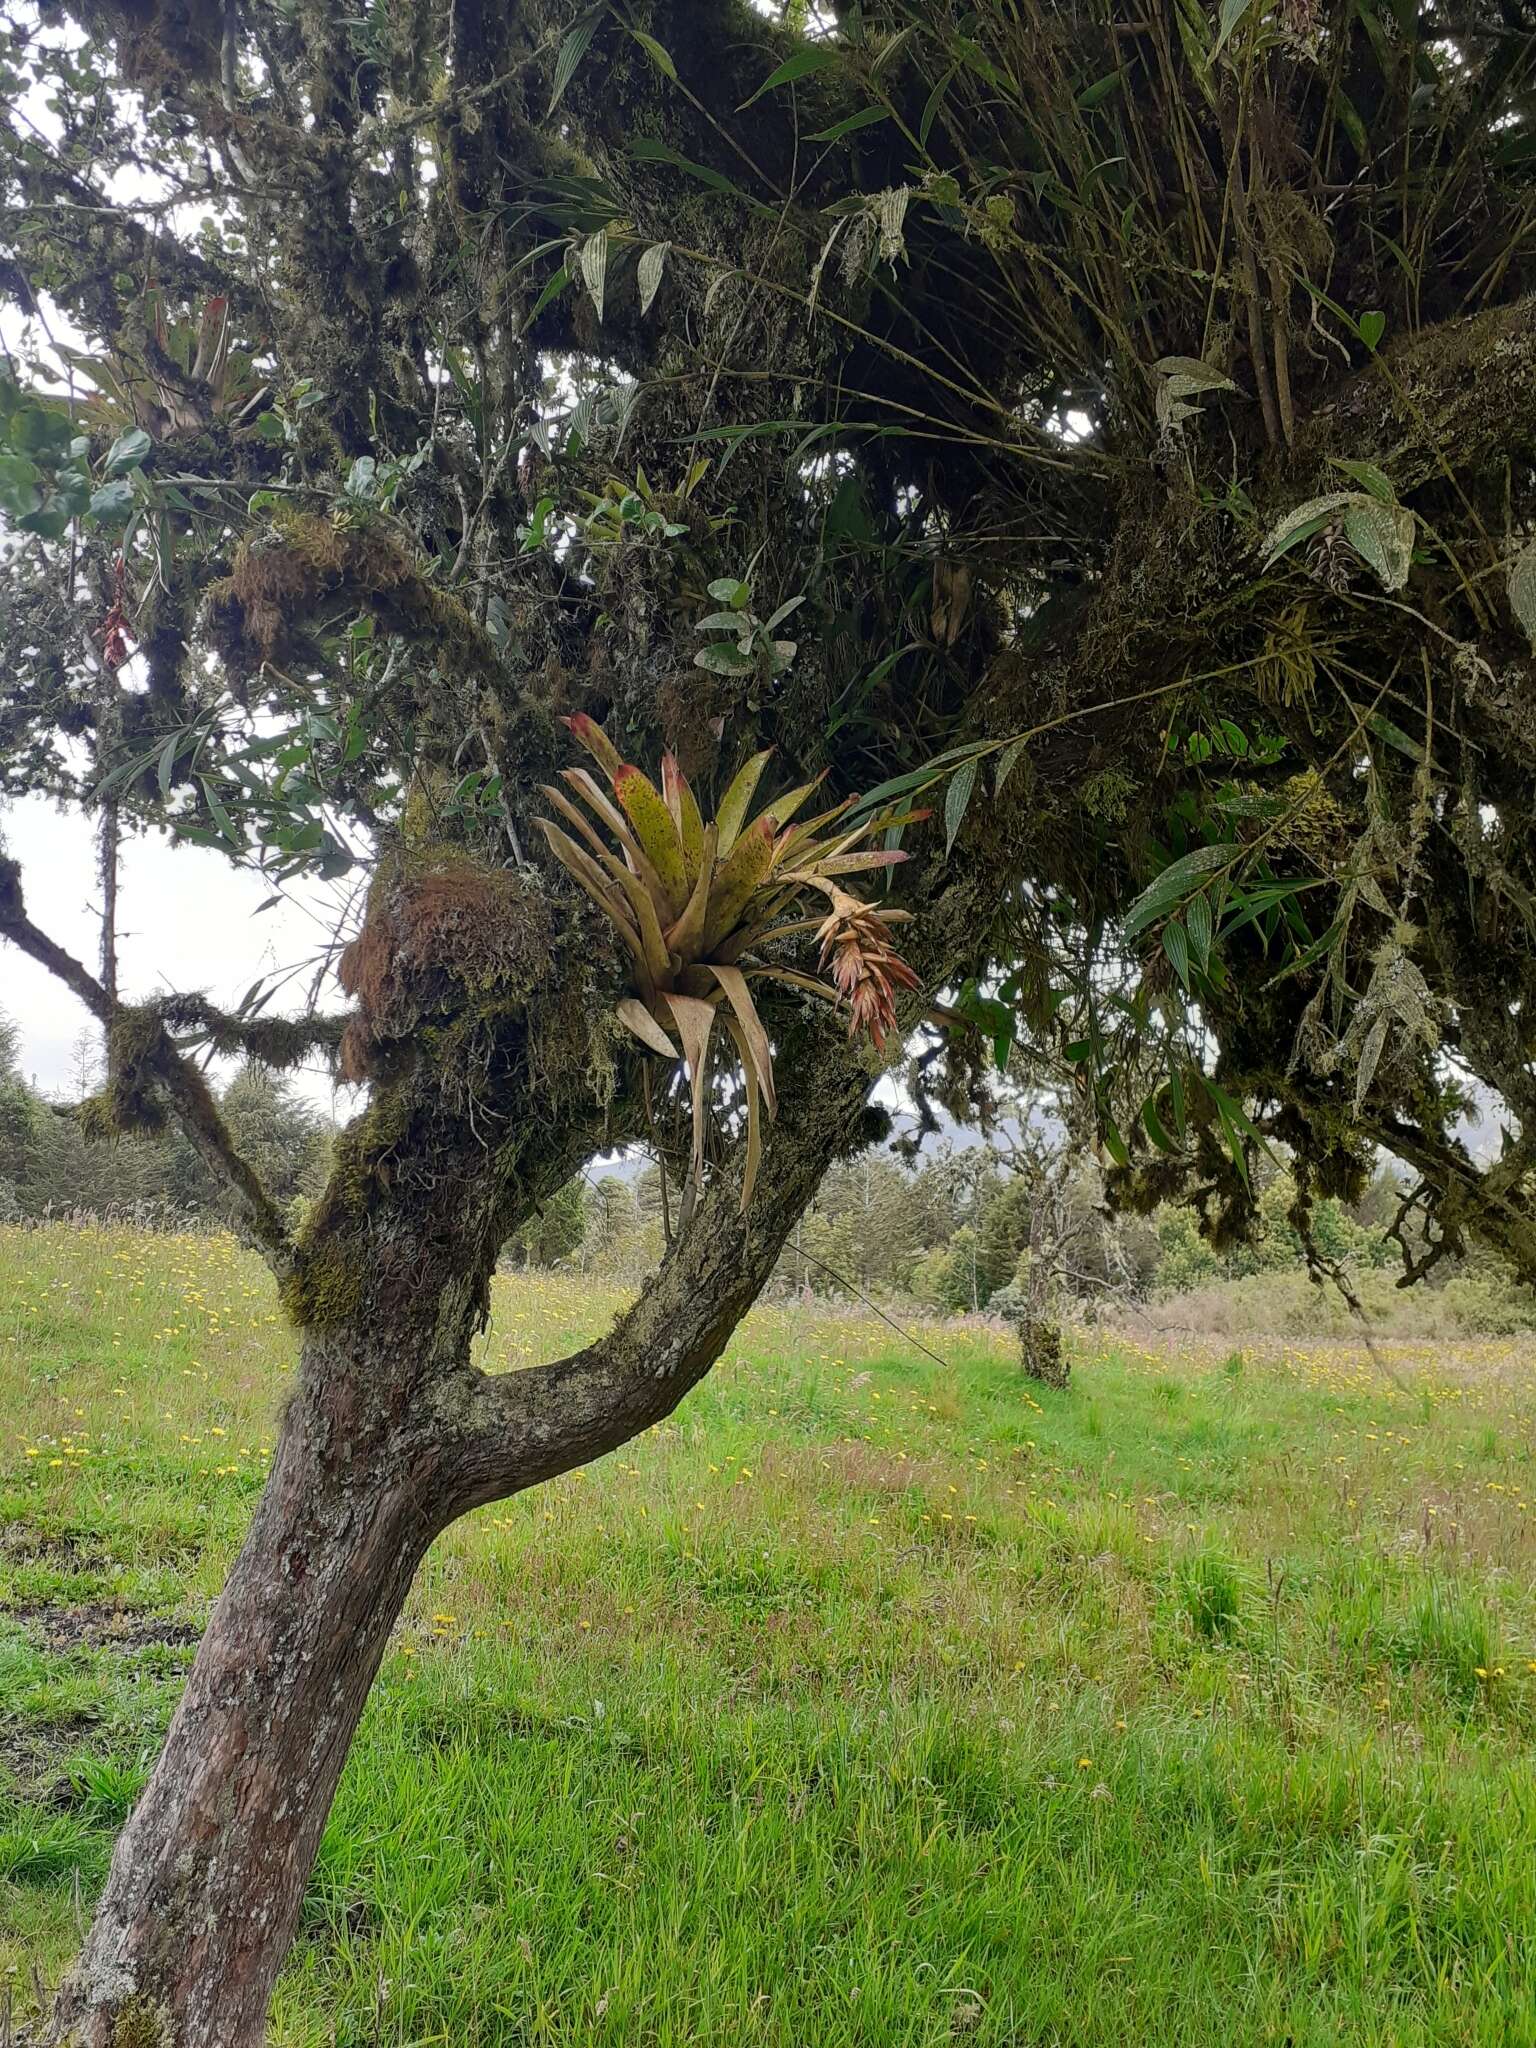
(187, 920)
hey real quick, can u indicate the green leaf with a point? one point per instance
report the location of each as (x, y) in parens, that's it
(1007, 762)
(594, 268)
(19, 493)
(1520, 581)
(112, 505)
(128, 451)
(1307, 519)
(1197, 916)
(935, 101)
(650, 149)
(572, 50)
(1371, 327)
(1154, 1126)
(732, 591)
(956, 801)
(814, 57)
(1170, 888)
(1382, 536)
(1095, 94)
(1375, 481)
(865, 118)
(1384, 729)
(653, 263)
(658, 53)
(1232, 12)
(723, 660)
(552, 290)
(1176, 946)
(1114, 1144)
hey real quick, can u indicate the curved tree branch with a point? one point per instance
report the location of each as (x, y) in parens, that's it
(154, 1057)
(516, 1429)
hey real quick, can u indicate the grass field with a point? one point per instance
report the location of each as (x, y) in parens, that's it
(869, 1701)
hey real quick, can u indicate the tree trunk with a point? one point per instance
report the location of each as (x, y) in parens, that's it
(207, 1879)
(1041, 1350)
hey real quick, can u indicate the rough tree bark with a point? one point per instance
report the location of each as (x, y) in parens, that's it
(208, 1876)
(392, 1434)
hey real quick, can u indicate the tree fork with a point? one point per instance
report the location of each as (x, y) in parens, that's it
(392, 1436)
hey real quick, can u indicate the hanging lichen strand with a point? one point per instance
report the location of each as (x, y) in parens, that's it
(703, 910)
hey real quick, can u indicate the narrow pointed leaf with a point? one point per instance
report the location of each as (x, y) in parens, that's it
(754, 1115)
(686, 936)
(652, 266)
(739, 996)
(660, 841)
(640, 1021)
(618, 825)
(597, 743)
(683, 805)
(695, 1022)
(732, 813)
(738, 878)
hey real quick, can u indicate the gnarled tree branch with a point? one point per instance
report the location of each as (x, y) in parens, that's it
(154, 1058)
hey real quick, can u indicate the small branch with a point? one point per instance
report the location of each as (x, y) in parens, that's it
(156, 1057)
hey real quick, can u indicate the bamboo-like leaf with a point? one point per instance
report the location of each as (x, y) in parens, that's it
(572, 50)
(812, 57)
(754, 1114)
(737, 879)
(1521, 584)
(732, 812)
(683, 805)
(1007, 762)
(1176, 946)
(686, 936)
(957, 800)
(660, 841)
(739, 996)
(1197, 915)
(658, 53)
(597, 743)
(1175, 883)
(593, 259)
(695, 1022)
(640, 1021)
(653, 263)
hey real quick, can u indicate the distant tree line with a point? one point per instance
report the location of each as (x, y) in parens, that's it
(958, 1231)
(49, 1167)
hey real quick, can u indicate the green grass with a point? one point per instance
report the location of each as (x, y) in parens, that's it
(868, 1701)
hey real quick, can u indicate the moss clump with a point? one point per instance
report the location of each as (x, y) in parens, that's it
(446, 937)
(325, 1286)
(138, 2025)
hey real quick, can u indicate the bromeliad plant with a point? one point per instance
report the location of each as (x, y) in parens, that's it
(697, 905)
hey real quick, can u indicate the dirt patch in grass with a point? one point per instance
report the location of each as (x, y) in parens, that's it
(104, 1625)
(70, 1551)
(32, 1754)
